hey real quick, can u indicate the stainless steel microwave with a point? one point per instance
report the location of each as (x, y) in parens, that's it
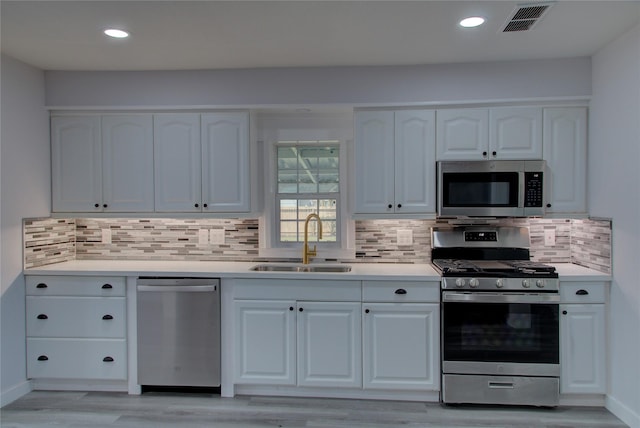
(500, 188)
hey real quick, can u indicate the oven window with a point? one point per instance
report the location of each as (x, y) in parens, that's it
(490, 189)
(500, 332)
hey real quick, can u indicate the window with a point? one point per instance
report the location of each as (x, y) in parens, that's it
(308, 182)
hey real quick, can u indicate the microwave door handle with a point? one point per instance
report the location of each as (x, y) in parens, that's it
(522, 187)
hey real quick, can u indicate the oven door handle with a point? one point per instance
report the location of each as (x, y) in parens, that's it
(490, 297)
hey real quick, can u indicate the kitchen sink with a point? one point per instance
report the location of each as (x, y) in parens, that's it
(301, 268)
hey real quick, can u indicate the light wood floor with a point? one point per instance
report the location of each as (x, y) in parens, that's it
(165, 409)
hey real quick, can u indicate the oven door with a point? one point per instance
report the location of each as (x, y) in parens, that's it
(500, 333)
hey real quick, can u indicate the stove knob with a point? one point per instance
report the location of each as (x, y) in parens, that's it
(499, 283)
(525, 283)
(540, 283)
(473, 283)
(460, 283)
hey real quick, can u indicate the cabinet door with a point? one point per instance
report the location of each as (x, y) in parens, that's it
(515, 133)
(582, 349)
(177, 165)
(415, 161)
(329, 344)
(127, 155)
(462, 134)
(374, 152)
(400, 346)
(265, 349)
(225, 162)
(76, 164)
(565, 150)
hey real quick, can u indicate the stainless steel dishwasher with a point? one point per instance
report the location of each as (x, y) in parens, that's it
(178, 332)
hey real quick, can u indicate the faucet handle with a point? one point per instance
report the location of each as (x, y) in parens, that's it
(313, 252)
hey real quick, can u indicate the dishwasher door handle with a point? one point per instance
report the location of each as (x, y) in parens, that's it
(179, 288)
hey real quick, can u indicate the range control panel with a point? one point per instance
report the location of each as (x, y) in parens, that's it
(480, 236)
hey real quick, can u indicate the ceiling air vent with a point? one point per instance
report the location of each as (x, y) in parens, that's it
(525, 17)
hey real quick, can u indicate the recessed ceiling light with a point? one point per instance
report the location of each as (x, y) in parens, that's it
(472, 21)
(115, 33)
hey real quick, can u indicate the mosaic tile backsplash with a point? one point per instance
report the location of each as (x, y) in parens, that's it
(48, 241)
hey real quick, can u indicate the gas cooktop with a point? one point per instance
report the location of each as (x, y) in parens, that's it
(494, 268)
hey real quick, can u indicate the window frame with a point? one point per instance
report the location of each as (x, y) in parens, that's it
(270, 245)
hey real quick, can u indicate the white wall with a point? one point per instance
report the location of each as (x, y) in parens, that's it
(24, 191)
(614, 159)
(323, 85)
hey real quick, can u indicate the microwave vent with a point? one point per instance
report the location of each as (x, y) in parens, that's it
(525, 17)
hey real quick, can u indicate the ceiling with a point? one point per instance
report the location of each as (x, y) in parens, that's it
(173, 35)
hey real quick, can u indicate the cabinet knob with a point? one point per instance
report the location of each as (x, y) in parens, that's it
(484, 154)
(290, 308)
(494, 153)
(205, 205)
(107, 317)
(564, 312)
(401, 291)
(399, 205)
(105, 205)
(300, 309)
(582, 292)
(548, 205)
(41, 285)
(97, 205)
(366, 311)
(196, 205)
(43, 358)
(107, 286)
(108, 359)
(42, 317)
(389, 206)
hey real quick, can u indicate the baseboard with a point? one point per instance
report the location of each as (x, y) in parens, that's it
(623, 412)
(15, 392)
(287, 391)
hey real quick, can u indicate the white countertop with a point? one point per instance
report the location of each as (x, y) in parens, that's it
(359, 271)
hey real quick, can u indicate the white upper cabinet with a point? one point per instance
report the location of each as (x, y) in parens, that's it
(127, 159)
(491, 133)
(515, 133)
(395, 162)
(462, 134)
(76, 164)
(565, 150)
(178, 171)
(225, 162)
(102, 163)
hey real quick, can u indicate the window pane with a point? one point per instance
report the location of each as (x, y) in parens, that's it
(288, 231)
(329, 231)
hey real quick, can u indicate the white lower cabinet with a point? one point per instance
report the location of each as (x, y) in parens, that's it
(329, 344)
(76, 328)
(401, 346)
(582, 338)
(281, 342)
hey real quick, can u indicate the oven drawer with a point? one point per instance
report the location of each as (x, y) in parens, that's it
(401, 291)
(583, 292)
(515, 390)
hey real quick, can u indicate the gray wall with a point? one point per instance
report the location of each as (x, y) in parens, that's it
(447, 83)
(24, 189)
(614, 156)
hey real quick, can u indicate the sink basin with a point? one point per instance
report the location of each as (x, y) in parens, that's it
(301, 268)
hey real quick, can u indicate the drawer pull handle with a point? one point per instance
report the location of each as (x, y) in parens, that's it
(107, 317)
(41, 285)
(108, 359)
(43, 358)
(43, 317)
(582, 292)
(107, 287)
(401, 291)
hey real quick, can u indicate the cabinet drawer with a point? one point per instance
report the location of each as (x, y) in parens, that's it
(401, 291)
(97, 317)
(583, 292)
(77, 358)
(75, 286)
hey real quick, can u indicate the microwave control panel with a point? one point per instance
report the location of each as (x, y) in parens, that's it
(533, 189)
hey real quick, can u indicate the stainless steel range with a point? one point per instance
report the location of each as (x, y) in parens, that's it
(499, 318)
